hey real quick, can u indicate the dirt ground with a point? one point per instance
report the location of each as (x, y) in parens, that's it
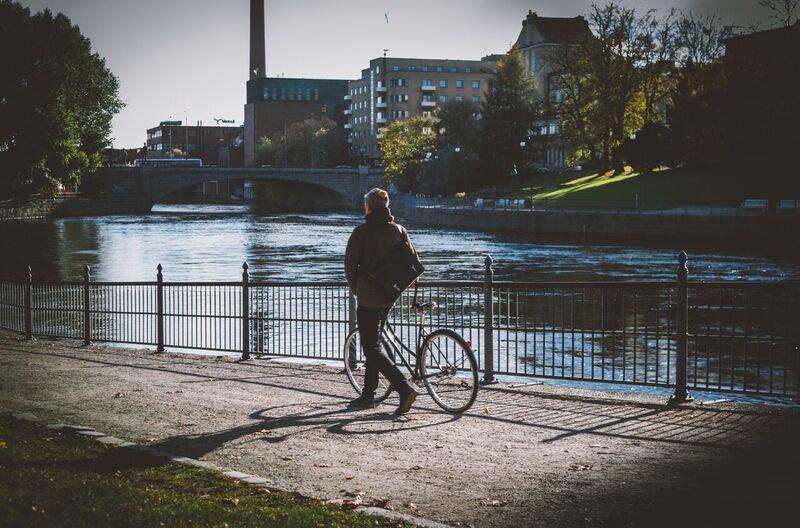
(535, 455)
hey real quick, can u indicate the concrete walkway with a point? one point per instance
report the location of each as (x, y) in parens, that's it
(530, 456)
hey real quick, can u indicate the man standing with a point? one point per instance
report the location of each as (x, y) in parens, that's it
(370, 242)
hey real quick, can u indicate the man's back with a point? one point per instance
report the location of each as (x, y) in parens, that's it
(367, 245)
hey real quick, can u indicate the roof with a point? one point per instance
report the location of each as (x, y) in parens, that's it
(554, 30)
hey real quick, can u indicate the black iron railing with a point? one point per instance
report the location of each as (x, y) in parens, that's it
(730, 336)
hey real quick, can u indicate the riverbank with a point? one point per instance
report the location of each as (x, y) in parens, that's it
(770, 233)
(531, 455)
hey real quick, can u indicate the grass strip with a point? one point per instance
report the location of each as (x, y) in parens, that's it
(54, 478)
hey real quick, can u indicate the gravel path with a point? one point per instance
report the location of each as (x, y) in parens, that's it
(536, 455)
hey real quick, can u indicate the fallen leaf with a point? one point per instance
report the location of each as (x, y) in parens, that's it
(493, 502)
(579, 467)
(486, 409)
(411, 505)
(349, 478)
(286, 458)
(416, 468)
(232, 500)
(2, 444)
(322, 465)
(119, 395)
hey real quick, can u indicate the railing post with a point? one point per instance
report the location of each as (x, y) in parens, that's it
(29, 305)
(681, 320)
(87, 319)
(159, 310)
(245, 312)
(351, 311)
(488, 323)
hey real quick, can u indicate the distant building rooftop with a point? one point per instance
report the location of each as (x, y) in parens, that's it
(553, 30)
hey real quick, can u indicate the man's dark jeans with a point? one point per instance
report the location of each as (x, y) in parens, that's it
(370, 325)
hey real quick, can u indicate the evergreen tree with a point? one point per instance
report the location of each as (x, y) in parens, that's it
(508, 111)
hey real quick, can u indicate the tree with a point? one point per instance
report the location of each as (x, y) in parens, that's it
(782, 11)
(310, 143)
(511, 105)
(458, 126)
(57, 99)
(404, 144)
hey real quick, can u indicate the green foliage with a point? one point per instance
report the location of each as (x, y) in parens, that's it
(509, 109)
(57, 99)
(404, 144)
(652, 147)
(310, 143)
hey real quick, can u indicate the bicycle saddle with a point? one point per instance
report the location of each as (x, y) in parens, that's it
(424, 307)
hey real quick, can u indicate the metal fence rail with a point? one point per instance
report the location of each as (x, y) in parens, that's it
(729, 336)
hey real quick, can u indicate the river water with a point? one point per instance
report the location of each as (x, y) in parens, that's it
(207, 242)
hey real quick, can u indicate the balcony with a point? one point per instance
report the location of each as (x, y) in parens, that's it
(348, 97)
(378, 135)
(348, 126)
(380, 89)
(380, 104)
(347, 111)
(428, 104)
(380, 120)
(428, 88)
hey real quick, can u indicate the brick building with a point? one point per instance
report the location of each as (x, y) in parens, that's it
(398, 88)
(275, 102)
(208, 143)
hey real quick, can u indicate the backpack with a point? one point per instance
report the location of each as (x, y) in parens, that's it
(396, 270)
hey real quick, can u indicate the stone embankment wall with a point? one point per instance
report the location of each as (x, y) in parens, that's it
(62, 207)
(771, 231)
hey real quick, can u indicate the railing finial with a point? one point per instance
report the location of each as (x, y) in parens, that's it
(30, 274)
(488, 260)
(87, 271)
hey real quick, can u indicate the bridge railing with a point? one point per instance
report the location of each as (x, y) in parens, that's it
(725, 336)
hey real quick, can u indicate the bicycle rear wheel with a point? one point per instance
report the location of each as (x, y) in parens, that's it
(449, 370)
(354, 363)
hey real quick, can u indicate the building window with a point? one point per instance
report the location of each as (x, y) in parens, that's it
(476, 99)
(427, 82)
(426, 113)
(467, 70)
(453, 70)
(442, 98)
(476, 84)
(395, 68)
(412, 68)
(442, 83)
(427, 98)
(425, 68)
(459, 98)
(398, 82)
(439, 69)
(552, 129)
(316, 94)
(459, 83)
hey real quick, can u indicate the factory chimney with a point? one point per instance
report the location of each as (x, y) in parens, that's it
(257, 52)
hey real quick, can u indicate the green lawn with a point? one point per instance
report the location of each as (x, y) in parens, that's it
(662, 188)
(50, 478)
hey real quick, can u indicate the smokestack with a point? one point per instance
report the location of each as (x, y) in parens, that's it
(257, 52)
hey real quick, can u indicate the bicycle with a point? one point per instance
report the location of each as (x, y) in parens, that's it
(443, 362)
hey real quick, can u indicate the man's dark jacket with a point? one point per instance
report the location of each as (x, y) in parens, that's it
(367, 245)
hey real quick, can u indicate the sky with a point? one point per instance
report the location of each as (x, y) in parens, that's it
(188, 59)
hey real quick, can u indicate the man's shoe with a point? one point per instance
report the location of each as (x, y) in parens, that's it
(407, 397)
(365, 401)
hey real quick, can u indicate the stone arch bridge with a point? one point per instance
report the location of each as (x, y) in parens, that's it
(137, 189)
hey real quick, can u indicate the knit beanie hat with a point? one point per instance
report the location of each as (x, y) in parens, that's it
(376, 199)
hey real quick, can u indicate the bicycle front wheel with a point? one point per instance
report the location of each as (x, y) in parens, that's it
(354, 366)
(449, 370)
